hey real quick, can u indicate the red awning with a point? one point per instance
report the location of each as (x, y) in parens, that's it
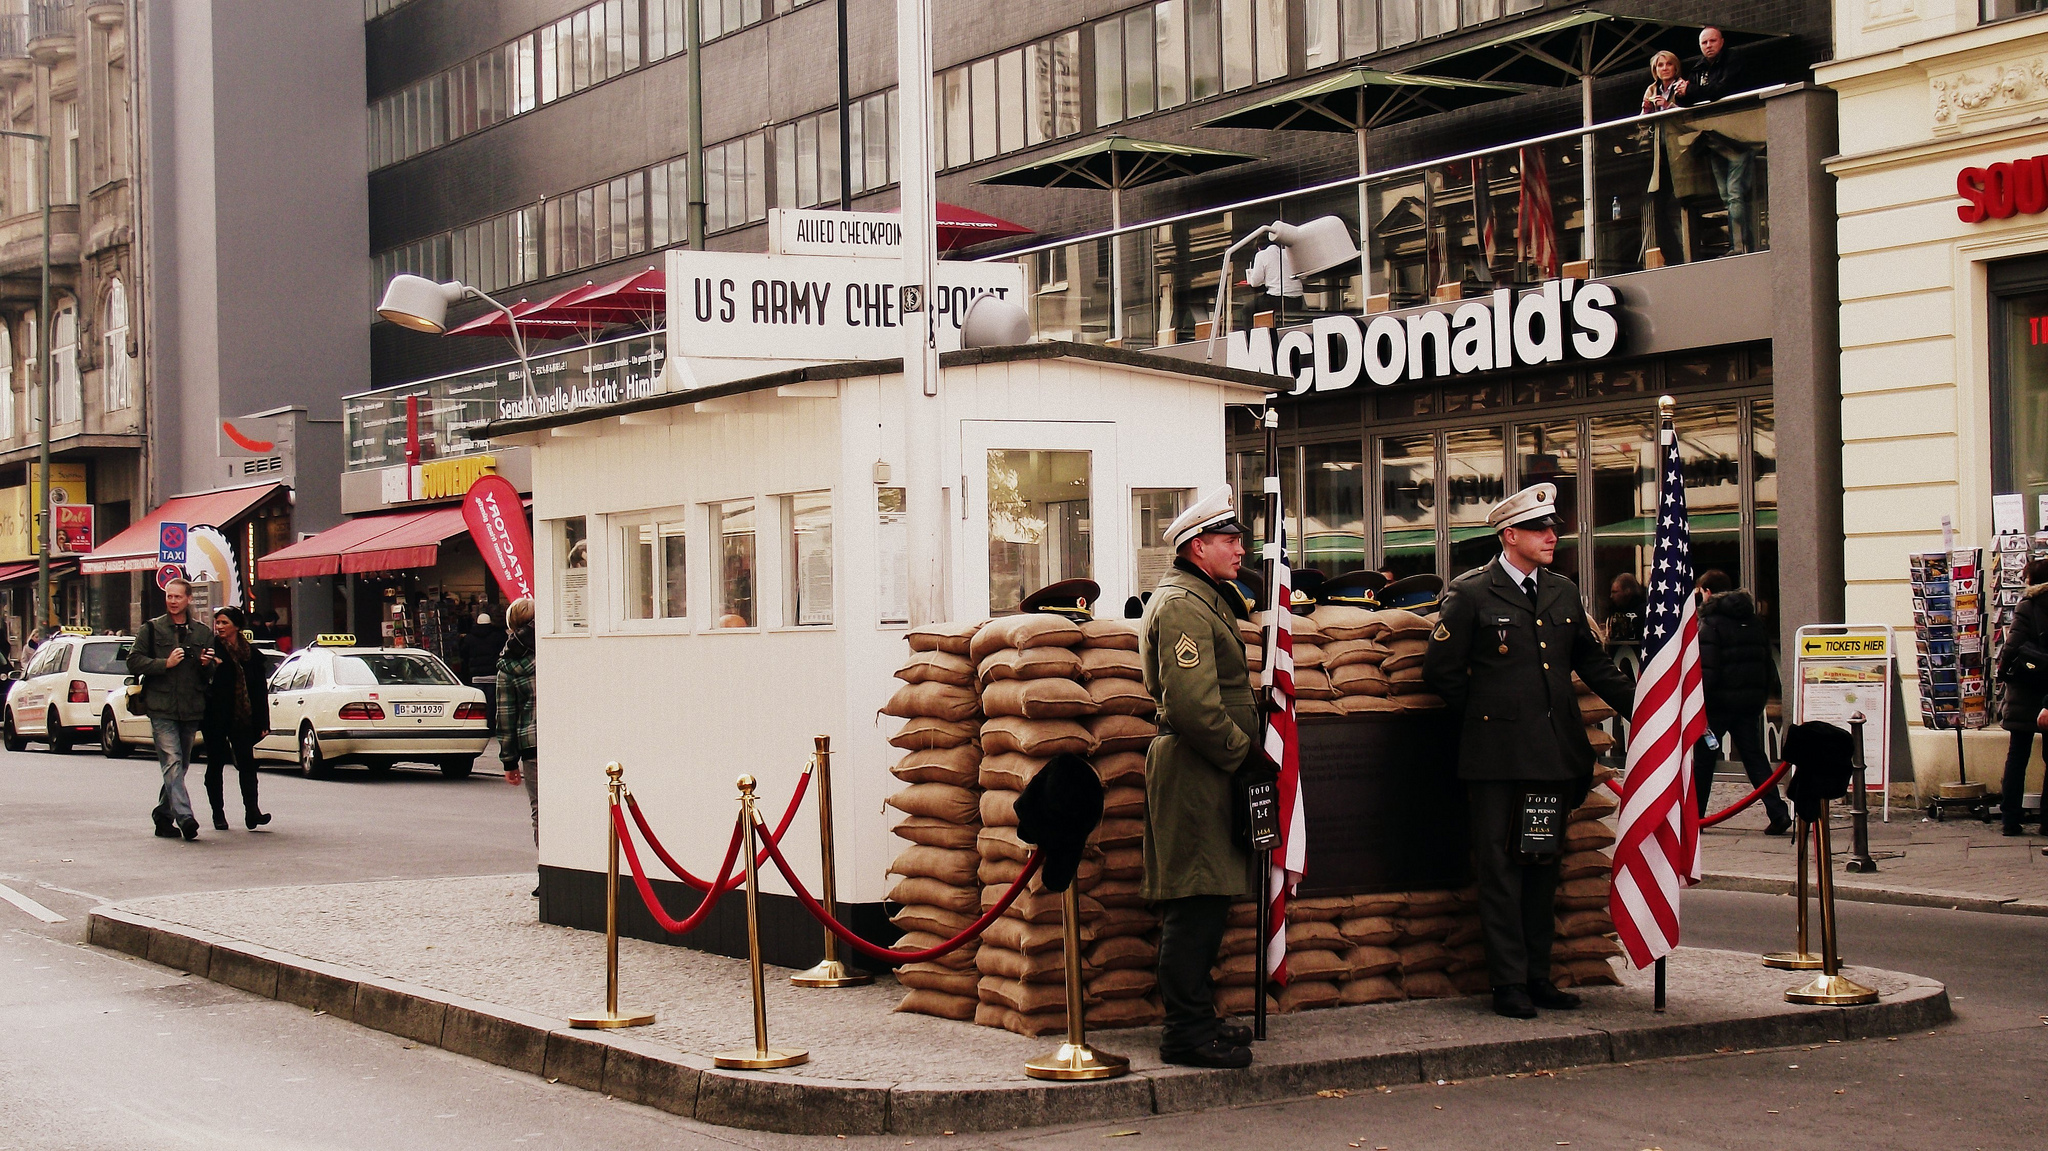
(413, 544)
(134, 550)
(14, 573)
(637, 299)
(320, 555)
(958, 227)
(494, 323)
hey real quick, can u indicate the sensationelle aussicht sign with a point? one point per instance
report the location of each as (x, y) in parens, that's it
(1560, 321)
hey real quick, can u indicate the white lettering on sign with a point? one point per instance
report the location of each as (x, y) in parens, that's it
(1562, 319)
(818, 232)
(725, 305)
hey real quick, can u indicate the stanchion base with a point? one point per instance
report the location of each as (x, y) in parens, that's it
(606, 1021)
(1795, 960)
(1077, 1061)
(1832, 991)
(756, 1059)
(1861, 866)
(831, 973)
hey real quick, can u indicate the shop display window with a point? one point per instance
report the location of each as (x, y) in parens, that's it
(1152, 511)
(572, 575)
(2019, 384)
(808, 559)
(654, 557)
(1040, 522)
(1331, 533)
(1624, 476)
(734, 523)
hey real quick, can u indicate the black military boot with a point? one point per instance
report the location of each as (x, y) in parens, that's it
(1216, 1053)
(1234, 1033)
(1511, 1000)
(1545, 994)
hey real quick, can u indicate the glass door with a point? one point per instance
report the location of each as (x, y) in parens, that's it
(1408, 503)
(1039, 511)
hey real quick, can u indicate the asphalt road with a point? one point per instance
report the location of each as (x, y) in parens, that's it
(103, 1051)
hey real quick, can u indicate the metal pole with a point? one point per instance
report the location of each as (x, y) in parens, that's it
(1799, 958)
(1074, 1059)
(762, 1056)
(694, 69)
(1274, 537)
(923, 409)
(1859, 806)
(1830, 987)
(1364, 217)
(829, 972)
(1116, 253)
(1588, 147)
(610, 1018)
(1657, 996)
(845, 130)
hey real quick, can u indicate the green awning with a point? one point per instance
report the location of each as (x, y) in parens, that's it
(1573, 47)
(1119, 162)
(1363, 98)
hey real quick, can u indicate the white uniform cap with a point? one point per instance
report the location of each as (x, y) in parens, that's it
(1535, 502)
(1212, 513)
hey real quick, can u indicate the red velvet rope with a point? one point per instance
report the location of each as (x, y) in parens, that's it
(796, 798)
(647, 896)
(1746, 800)
(883, 953)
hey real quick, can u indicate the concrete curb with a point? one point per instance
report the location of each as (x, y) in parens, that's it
(1851, 892)
(641, 1072)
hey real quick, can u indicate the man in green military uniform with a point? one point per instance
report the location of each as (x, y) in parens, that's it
(1194, 665)
(1502, 656)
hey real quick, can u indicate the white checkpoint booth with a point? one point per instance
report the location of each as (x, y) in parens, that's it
(721, 577)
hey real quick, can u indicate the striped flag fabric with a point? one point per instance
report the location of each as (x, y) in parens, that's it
(1484, 221)
(1536, 223)
(1282, 746)
(1657, 842)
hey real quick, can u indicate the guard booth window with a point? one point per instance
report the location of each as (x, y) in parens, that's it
(1039, 523)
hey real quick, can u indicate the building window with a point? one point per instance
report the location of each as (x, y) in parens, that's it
(2019, 383)
(808, 559)
(32, 371)
(1152, 509)
(1160, 56)
(7, 396)
(117, 372)
(66, 401)
(67, 152)
(667, 34)
(807, 153)
(656, 570)
(1344, 29)
(1989, 10)
(735, 183)
(572, 575)
(733, 521)
(1005, 103)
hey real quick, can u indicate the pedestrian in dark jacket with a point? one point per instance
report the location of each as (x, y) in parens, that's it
(481, 645)
(237, 715)
(1716, 74)
(2023, 669)
(1737, 672)
(173, 654)
(515, 708)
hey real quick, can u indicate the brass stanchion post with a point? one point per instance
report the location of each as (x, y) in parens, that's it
(1798, 959)
(611, 1017)
(762, 1056)
(829, 972)
(1074, 1059)
(1831, 987)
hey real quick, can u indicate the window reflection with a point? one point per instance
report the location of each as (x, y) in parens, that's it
(1332, 536)
(1408, 501)
(1039, 523)
(735, 523)
(1549, 453)
(1474, 481)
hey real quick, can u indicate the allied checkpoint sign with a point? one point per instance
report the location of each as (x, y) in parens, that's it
(1843, 669)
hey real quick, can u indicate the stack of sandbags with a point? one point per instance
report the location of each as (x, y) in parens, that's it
(1594, 712)
(1314, 694)
(1406, 638)
(1352, 654)
(1372, 929)
(1125, 948)
(941, 802)
(1583, 945)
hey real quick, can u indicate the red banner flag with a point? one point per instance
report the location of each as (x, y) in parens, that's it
(497, 522)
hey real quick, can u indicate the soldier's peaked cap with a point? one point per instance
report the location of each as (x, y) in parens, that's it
(1072, 598)
(1532, 507)
(1353, 589)
(1212, 513)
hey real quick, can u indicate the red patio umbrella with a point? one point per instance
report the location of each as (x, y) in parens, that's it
(494, 323)
(639, 298)
(958, 227)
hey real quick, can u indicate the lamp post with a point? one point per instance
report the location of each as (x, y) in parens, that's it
(421, 304)
(1317, 246)
(44, 612)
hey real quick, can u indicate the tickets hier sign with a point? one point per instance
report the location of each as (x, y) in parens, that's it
(731, 305)
(1844, 646)
(497, 522)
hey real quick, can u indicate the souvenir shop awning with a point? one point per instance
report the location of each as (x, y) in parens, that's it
(15, 573)
(134, 550)
(389, 541)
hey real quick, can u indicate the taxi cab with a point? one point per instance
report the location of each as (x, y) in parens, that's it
(336, 702)
(122, 732)
(57, 700)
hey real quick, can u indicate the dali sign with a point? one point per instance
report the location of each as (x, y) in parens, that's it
(1560, 321)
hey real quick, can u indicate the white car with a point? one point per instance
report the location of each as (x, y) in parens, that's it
(336, 702)
(122, 732)
(58, 699)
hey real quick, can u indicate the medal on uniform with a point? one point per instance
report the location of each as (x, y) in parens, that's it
(1503, 641)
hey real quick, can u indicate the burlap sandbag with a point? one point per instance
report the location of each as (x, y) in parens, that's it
(1032, 629)
(1585, 894)
(1401, 624)
(1425, 904)
(1599, 740)
(954, 765)
(1316, 964)
(950, 867)
(1030, 938)
(1243, 913)
(1110, 633)
(1030, 663)
(1417, 927)
(924, 733)
(1238, 941)
(1120, 952)
(1429, 985)
(1329, 908)
(1009, 771)
(1308, 994)
(937, 801)
(1123, 803)
(999, 808)
(1377, 903)
(1475, 981)
(1587, 835)
(1044, 967)
(1242, 1000)
(1573, 924)
(937, 667)
(1599, 803)
(1125, 983)
(1251, 631)
(1368, 705)
(933, 701)
(1593, 973)
(1584, 947)
(1374, 989)
(1593, 709)
(923, 889)
(1364, 962)
(1002, 872)
(1114, 833)
(1121, 697)
(1398, 660)
(1118, 892)
(1039, 906)
(1254, 658)
(1235, 971)
(1421, 701)
(1344, 653)
(1468, 930)
(1114, 733)
(1359, 679)
(1110, 663)
(1425, 955)
(932, 977)
(1112, 1014)
(1305, 629)
(1017, 1022)
(1123, 863)
(936, 920)
(940, 1004)
(1002, 843)
(1037, 699)
(1038, 737)
(1580, 864)
(936, 832)
(1465, 957)
(1317, 707)
(1313, 683)
(1314, 935)
(1307, 655)
(947, 637)
(1342, 622)
(960, 958)
(1375, 930)
(1121, 768)
(1115, 921)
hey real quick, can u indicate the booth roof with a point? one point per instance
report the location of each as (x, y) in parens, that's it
(856, 369)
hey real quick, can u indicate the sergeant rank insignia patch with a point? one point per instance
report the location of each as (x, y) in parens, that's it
(1441, 634)
(1187, 653)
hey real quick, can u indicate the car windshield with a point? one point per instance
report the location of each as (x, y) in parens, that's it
(109, 658)
(384, 668)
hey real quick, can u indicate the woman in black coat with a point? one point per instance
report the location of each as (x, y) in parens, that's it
(1736, 672)
(2023, 669)
(237, 715)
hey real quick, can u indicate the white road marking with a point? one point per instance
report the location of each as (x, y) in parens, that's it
(29, 905)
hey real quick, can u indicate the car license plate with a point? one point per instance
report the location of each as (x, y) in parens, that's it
(416, 709)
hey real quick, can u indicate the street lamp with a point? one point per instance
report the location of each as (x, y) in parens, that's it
(421, 304)
(1317, 246)
(43, 337)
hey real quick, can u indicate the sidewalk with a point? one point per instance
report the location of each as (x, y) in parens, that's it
(462, 964)
(1957, 863)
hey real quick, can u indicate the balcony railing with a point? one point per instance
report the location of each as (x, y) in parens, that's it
(1668, 188)
(53, 18)
(14, 36)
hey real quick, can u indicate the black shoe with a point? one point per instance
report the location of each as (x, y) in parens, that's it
(536, 892)
(1512, 1002)
(220, 820)
(190, 827)
(1779, 827)
(1216, 1053)
(1543, 993)
(1234, 1033)
(256, 819)
(2013, 829)
(165, 829)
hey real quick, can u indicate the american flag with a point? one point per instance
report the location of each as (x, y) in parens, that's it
(1536, 228)
(1657, 846)
(1280, 744)
(1483, 219)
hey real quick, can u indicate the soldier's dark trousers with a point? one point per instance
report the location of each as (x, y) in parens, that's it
(1516, 901)
(1190, 935)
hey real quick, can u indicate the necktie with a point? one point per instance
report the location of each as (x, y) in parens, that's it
(1529, 589)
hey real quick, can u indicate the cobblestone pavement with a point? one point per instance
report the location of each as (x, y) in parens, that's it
(1956, 862)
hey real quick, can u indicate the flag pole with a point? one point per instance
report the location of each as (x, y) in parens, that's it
(1665, 430)
(1269, 556)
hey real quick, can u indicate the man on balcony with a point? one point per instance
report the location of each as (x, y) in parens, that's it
(1719, 73)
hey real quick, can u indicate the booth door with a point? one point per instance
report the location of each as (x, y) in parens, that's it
(1042, 506)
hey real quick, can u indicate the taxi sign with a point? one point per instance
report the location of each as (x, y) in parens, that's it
(334, 639)
(74, 631)
(1868, 646)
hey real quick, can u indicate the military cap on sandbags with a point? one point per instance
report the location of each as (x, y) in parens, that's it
(1247, 590)
(1072, 598)
(1352, 589)
(1417, 593)
(1305, 583)
(1533, 507)
(1212, 513)
(1057, 812)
